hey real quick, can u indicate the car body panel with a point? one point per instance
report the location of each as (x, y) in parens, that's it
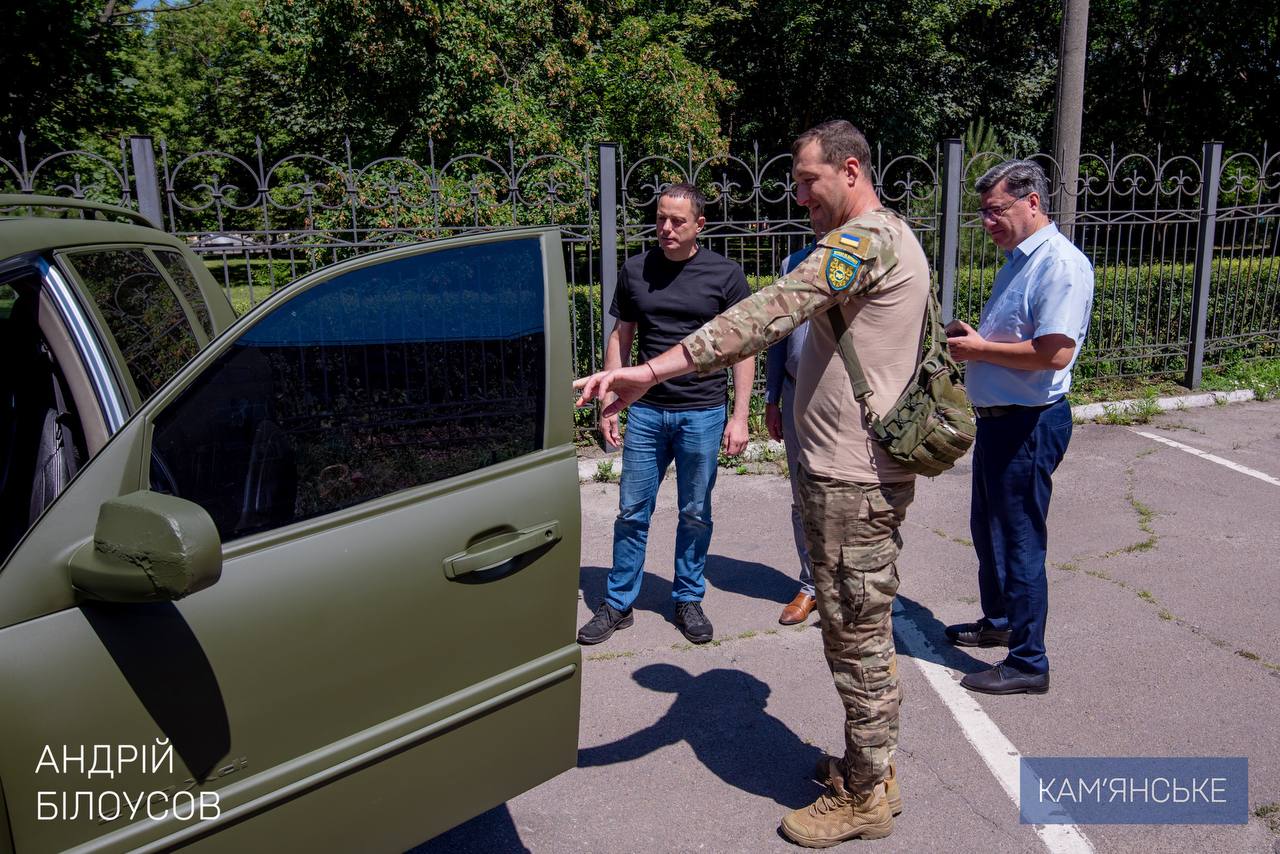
(335, 687)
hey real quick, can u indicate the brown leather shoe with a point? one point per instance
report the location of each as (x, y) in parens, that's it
(799, 610)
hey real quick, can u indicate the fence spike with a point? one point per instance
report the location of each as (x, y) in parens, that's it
(22, 155)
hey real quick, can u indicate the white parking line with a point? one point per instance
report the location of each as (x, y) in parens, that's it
(1205, 455)
(991, 744)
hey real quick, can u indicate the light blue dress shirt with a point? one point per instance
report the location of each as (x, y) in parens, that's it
(783, 358)
(1044, 288)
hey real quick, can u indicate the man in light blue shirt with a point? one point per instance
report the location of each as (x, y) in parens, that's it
(1019, 371)
(781, 363)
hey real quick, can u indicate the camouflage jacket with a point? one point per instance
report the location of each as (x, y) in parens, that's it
(850, 260)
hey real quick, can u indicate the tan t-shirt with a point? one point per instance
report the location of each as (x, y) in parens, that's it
(886, 322)
(874, 268)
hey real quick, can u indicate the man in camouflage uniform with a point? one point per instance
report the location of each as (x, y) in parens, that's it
(854, 497)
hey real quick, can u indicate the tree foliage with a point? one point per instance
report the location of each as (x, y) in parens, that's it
(68, 74)
(210, 80)
(470, 73)
(1179, 74)
(906, 73)
(655, 76)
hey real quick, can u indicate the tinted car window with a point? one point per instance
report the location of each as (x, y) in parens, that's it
(141, 312)
(178, 270)
(384, 378)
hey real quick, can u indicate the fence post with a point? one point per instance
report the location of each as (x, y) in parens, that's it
(608, 196)
(1210, 167)
(143, 155)
(949, 247)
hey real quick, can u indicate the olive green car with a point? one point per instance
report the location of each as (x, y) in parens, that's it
(301, 581)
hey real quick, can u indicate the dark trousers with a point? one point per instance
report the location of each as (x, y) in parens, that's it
(1014, 458)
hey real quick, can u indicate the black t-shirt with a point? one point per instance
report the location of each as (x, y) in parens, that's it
(668, 300)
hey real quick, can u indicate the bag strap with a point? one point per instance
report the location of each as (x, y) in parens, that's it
(932, 323)
(844, 342)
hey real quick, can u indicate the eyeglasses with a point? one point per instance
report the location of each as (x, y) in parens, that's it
(999, 211)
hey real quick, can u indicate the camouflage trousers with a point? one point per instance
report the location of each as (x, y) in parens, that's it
(852, 532)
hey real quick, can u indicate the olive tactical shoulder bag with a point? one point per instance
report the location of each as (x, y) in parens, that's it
(931, 425)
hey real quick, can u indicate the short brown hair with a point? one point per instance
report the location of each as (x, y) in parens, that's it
(686, 191)
(839, 140)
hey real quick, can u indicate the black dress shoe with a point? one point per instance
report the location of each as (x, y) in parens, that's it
(692, 623)
(977, 634)
(1002, 679)
(606, 620)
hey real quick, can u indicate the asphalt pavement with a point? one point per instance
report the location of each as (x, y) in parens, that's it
(1163, 638)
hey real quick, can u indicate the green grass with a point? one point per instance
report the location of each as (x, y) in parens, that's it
(1145, 517)
(1262, 378)
(247, 283)
(1140, 411)
(1270, 813)
(609, 656)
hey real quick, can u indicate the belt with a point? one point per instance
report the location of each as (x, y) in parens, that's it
(1011, 409)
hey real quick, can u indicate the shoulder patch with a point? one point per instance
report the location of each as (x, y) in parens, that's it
(842, 269)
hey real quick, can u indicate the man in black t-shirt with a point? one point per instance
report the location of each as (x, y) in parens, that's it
(665, 294)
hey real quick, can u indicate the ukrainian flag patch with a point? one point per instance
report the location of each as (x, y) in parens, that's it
(852, 241)
(842, 269)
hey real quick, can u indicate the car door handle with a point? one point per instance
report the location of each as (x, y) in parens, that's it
(497, 550)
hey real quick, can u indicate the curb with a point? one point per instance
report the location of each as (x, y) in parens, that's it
(1090, 411)
(1084, 412)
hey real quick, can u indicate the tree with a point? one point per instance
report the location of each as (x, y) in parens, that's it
(1175, 75)
(210, 80)
(69, 75)
(906, 73)
(553, 75)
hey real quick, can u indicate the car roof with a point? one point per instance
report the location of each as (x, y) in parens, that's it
(21, 232)
(35, 234)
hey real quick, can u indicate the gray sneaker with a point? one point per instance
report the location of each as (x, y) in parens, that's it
(692, 623)
(606, 620)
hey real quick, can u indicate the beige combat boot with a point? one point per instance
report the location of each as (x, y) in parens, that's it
(839, 815)
(826, 770)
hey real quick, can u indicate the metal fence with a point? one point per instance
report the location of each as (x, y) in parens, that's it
(1186, 250)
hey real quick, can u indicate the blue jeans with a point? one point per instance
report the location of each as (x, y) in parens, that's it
(653, 439)
(1014, 458)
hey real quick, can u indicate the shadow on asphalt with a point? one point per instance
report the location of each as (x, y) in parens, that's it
(488, 833)
(743, 577)
(721, 714)
(942, 651)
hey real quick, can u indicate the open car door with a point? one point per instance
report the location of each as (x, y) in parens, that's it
(319, 591)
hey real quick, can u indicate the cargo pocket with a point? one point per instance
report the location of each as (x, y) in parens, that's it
(869, 579)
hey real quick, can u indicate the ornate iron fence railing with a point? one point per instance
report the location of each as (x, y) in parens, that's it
(1186, 249)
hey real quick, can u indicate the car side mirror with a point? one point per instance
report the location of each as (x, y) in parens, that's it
(147, 547)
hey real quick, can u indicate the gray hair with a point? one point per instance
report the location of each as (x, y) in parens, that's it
(1021, 177)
